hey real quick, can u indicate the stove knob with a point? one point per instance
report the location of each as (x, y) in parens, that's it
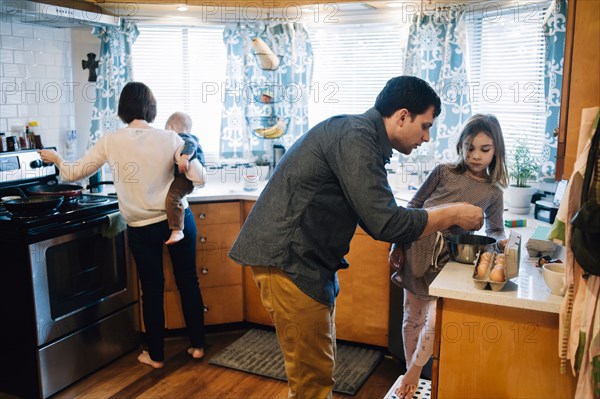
(38, 163)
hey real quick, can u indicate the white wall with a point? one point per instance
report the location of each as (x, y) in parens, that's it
(82, 43)
(36, 80)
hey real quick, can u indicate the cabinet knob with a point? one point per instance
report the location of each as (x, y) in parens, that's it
(205, 309)
(202, 216)
(202, 238)
(204, 270)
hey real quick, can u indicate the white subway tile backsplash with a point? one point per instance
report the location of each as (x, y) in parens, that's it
(5, 28)
(9, 111)
(22, 30)
(13, 70)
(33, 44)
(44, 58)
(35, 71)
(54, 46)
(42, 32)
(6, 56)
(24, 57)
(55, 72)
(59, 34)
(36, 79)
(12, 42)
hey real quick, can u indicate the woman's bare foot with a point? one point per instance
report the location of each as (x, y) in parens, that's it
(144, 357)
(196, 353)
(176, 235)
(409, 382)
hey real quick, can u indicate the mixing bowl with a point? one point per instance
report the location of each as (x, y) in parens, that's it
(464, 247)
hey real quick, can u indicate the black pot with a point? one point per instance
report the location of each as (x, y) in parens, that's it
(37, 205)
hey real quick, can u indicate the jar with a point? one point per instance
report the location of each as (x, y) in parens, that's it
(3, 142)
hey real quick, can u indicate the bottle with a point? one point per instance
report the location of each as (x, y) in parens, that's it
(3, 142)
(23, 139)
(31, 137)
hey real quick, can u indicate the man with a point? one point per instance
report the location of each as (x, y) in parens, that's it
(300, 228)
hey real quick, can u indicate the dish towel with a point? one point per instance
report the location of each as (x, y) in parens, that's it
(113, 226)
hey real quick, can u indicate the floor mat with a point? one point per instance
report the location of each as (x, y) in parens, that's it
(258, 352)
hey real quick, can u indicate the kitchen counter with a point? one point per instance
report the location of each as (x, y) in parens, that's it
(526, 291)
(229, 191)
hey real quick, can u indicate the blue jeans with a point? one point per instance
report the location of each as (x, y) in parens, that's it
(146, 244)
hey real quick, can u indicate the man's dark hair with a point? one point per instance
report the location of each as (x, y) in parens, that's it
(137, 102)
(408, 92)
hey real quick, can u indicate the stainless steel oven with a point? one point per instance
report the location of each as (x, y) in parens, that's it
(67, 288)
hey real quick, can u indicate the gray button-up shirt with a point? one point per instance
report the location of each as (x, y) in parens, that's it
(330, 179)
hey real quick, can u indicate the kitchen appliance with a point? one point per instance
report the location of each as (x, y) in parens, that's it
(67, 14)
(68, 293)
(278, 151)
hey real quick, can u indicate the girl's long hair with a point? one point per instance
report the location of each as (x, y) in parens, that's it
(497, 170)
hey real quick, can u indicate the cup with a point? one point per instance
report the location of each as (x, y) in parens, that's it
(251, 182)
(554, 277)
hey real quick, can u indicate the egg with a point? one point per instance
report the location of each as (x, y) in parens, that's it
(497, 274)
(482, 268)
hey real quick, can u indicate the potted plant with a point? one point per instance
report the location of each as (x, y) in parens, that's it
(523, 166)
(262, 165)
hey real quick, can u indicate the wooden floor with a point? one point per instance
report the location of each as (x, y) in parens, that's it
(184, 377)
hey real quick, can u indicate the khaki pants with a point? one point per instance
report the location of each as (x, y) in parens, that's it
(306, 333)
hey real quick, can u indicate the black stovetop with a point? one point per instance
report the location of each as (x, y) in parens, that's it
(85, 207)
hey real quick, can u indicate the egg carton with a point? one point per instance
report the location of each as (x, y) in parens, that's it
(512, 254)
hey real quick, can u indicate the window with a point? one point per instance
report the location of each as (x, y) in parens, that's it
(506, 67)
(352, 63)
(185, 68)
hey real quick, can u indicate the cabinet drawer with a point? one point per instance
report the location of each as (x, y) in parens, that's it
(212, 273)
(217, 238)
(216, 213)
(223, 304)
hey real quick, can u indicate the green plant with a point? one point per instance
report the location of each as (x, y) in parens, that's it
(523, 166)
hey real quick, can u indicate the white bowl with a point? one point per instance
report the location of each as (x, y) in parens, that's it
(554, 277)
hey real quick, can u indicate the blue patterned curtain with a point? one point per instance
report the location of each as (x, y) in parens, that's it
(114, 71)
(288, 86)
(435, 53)
(554, 34)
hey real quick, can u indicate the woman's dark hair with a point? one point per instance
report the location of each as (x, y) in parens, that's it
(408, 92)
(137, 102)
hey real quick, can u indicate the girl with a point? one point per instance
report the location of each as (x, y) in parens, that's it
(476, 178)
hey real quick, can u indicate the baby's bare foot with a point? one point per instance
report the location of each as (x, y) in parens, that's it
(176, 236)
(409, 382)
(144, 357)
(197, 353)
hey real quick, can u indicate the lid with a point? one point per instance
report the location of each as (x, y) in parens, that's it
(512, 253)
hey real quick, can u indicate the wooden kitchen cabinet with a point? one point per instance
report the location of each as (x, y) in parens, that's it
(220, 278)
(492, 351)
(362, 309)
(581, 80)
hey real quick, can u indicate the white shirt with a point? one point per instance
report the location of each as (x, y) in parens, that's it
(142, 162)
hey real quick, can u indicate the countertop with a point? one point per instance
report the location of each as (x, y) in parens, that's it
(526, 291)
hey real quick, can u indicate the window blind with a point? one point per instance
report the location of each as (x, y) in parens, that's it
(185, 68)
(352, 63)
(506, 70)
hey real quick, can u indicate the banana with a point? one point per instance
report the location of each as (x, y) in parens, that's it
(272, 132)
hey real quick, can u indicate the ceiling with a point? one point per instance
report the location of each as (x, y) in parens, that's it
(295, 10)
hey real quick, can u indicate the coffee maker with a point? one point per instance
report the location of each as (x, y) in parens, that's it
(278, 151)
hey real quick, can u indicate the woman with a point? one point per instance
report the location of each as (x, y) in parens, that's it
(142, 159)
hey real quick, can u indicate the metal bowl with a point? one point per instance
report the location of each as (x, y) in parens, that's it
(464, 247)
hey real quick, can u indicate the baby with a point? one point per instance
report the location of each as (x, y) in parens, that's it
(181, 123)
